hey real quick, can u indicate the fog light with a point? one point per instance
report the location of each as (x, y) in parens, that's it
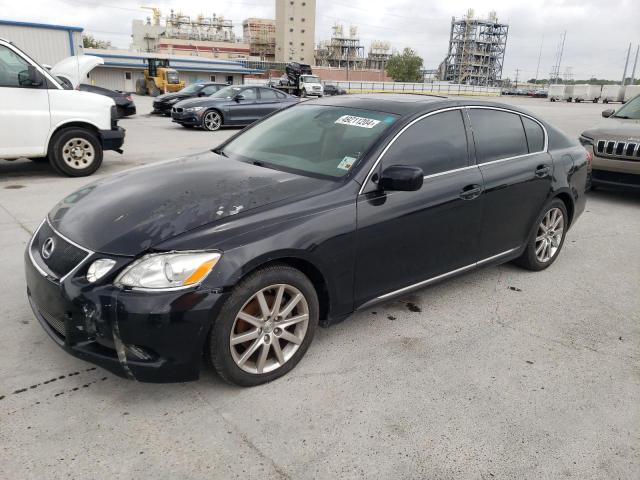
(99, 269)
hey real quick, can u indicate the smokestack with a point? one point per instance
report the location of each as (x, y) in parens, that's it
(635, 62)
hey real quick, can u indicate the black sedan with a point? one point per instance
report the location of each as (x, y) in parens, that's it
(124, 103)
(164, 103)
(231, 106)
(317, 211)
(330, 89)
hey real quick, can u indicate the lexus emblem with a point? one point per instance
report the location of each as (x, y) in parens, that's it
(48, 247)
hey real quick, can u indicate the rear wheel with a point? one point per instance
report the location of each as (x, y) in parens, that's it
(141, 88)
(75, 152)
(264, 327)
(154, 91)
(212, 120)
(547, 237)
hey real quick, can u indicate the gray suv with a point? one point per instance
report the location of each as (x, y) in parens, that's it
(615, 144)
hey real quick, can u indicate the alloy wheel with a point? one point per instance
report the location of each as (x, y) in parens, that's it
(549, 235)
(212, 121)
(78, 153)
(269, 329)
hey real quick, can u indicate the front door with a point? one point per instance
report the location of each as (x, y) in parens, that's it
(24, 110)
(244, 112)
(517, 174)
(407, 238)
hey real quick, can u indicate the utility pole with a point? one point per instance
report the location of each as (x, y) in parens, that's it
(539, 57)
(635, 62)
(517, 75)
(626, 64)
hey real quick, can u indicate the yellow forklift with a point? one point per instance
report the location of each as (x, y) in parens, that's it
(159, 78)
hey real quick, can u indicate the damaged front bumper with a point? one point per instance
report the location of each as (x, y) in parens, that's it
(150, 337)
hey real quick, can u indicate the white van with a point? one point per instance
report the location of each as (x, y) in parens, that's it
(42, 121)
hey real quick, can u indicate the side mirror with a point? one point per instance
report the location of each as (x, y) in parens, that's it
(202, 94)
(401, 178)
(238, 97)
(30, 77)
(608, 113)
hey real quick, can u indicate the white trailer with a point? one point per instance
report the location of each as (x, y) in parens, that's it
(560, 92)
(630, 91)
(612, 93)
(586, 93)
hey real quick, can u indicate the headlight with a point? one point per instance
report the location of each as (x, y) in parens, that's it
(193, 109)
(161, 271)
(99, 269)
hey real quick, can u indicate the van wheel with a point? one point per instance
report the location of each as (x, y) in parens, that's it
(547, 237)
(75, 152)
(265, 326)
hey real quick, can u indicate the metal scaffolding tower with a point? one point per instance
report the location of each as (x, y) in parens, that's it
(476, 50)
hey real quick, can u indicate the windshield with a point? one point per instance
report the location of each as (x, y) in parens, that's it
(226, 92)
(630, 110)
(194, 88)
(310, 79)
(311, 139)
(172, 77)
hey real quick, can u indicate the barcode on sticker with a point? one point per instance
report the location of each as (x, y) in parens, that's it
(357, 121)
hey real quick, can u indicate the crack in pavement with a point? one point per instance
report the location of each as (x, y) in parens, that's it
(20, 224)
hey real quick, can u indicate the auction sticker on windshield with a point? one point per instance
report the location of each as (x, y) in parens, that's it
(357, 121)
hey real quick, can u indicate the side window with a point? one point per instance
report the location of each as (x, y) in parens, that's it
(11, 65)
(535, 135)
(267, 94)
(436, 144)
(497, 134)
(249, 94)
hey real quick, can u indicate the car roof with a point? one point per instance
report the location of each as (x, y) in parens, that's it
(407, 104)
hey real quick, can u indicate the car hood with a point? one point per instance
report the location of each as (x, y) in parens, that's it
(202, 102)
(76, 68)
(618, 127)
(170, 96)
(130, 212)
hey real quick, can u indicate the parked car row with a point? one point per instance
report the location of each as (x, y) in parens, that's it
(537, 93)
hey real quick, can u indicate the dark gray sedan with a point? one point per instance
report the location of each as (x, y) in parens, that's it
(235, 105)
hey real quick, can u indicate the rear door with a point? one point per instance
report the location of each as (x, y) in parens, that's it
(517, 171)
(24, 110)
(409, 238)
(245, 111)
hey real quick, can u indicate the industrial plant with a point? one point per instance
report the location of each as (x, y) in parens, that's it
(476, 50)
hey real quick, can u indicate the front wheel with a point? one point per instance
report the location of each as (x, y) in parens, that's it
(264, 327)
(75, 152)
(547, 237)
(212, 121)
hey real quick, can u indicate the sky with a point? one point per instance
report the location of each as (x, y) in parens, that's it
(598, 31)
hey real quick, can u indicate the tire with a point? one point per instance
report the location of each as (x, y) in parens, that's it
(75, 152)
(154, 91)
(605, 101)
(227, 359)
(552, 100)
(141, 88)
(303, 94)
(212, 120)
(530, 258)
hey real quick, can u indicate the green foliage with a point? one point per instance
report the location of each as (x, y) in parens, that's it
(88, 41)
(405, 66)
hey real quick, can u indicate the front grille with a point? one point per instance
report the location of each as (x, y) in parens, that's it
(54, 322)
(64, 256)
(614, 148)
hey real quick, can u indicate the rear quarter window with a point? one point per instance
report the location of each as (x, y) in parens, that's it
(535, 135)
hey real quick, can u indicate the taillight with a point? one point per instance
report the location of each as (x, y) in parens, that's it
(589, 160)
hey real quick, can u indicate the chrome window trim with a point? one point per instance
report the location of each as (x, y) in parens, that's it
(393, 140)
(444, 275)
(545, 148)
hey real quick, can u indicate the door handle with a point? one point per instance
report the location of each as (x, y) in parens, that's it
(543, 171)
(470, 192)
